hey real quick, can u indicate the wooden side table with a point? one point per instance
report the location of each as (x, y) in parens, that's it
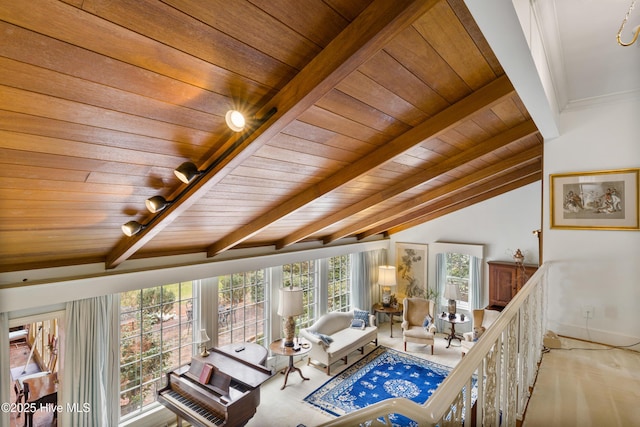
(390, 311)
(277, 347)
(454, 321)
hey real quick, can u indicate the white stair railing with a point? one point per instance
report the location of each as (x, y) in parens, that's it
(503, 365)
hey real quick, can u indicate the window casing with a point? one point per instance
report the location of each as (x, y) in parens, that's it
(156, 337)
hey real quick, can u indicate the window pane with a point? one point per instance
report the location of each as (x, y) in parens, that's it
(130, 349)
(458, 268)
(185, 354)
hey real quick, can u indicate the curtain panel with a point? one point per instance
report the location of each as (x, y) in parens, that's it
(364, 283)
(91, 363)
(5, 367)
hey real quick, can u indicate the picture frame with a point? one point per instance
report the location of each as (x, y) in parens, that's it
(597, 200)
(411, 269)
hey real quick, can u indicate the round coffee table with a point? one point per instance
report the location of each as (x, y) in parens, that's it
(277, 347)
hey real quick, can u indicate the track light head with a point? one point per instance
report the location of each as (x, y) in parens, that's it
(156, 204)
(132, 228)
(186, 172)
(235, 120)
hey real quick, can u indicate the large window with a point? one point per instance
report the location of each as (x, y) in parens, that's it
(458, 273)
(339, 283)
(156, 330)
(242, 308)
(303, 275)
(459, 264)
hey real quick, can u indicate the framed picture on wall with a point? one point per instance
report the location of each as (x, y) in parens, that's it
(411, 269)
(599, 200)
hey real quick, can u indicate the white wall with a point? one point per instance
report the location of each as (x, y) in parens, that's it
(594, 267)
(501, 224)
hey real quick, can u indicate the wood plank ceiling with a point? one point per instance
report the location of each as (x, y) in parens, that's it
(389, 113)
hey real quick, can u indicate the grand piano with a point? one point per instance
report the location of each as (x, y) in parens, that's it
(221, 389)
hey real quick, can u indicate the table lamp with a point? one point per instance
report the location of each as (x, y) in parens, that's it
(452, 293)
(290, 305)
(386, 280)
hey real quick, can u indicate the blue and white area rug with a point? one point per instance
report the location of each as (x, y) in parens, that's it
(382, 374)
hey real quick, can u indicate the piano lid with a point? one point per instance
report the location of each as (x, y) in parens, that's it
(244, 366)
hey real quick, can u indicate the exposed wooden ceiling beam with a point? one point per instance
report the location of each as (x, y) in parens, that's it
(428, 198)
(489, 189)
(365, 36)
(481, 99)
(514, 134)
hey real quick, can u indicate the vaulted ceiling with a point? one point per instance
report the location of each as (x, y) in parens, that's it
(369, 117)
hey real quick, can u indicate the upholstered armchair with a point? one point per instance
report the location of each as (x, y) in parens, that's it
(415, 310)
(482, 319)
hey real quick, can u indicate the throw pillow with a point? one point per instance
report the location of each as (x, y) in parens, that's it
(362, 314)
(357, 323)
(326, 339)
(427, 321)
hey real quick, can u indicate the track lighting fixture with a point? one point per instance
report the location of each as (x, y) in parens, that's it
(235, 120)
(132, 228)
(186, 172)
(156, 204)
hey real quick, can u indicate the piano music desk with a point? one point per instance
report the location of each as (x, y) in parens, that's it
(277, 347)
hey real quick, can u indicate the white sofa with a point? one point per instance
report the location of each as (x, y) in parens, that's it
(344, 339)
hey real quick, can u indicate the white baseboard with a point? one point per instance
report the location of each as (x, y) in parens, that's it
(586, 333)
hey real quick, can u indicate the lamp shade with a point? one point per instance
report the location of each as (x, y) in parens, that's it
(290, 302)
(451, 292)
(386, 276)
(203, 337)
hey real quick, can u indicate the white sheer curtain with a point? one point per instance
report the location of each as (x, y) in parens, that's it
(477, 297)
(441, 279)
(364, 277)
(91, 362)
(5, 367)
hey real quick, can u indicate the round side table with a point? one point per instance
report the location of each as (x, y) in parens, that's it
(277, 347)
(390, 311)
